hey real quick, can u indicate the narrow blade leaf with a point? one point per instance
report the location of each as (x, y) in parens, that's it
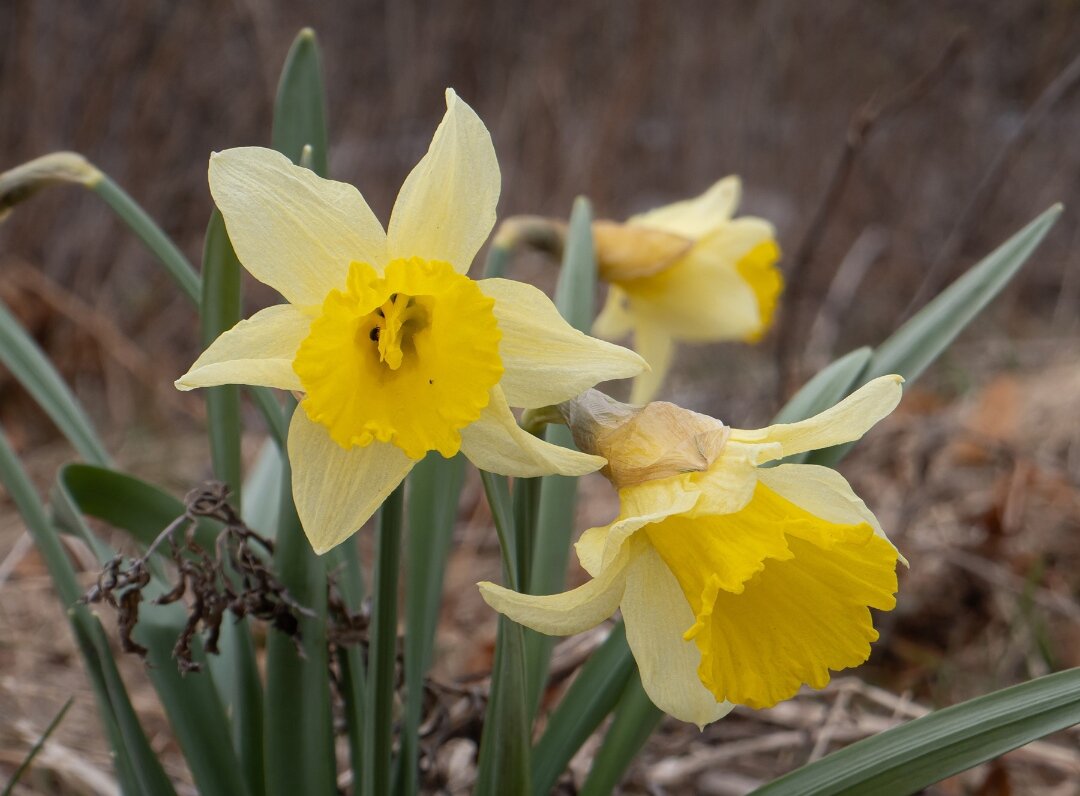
(912, 756)
(33, 370)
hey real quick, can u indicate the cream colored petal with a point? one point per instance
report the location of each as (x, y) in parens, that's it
(292, 229)
(562, 614)
(704, 297)
(657, 348)
(259, 350)
(657, 614)
(647, 503)
(496, 443)
(337, 490)
(696, 217)
(614, 320)
(590, 548)
(446, 208)
(546, 360)
(729, 483)
(822, 491)
(845, 422)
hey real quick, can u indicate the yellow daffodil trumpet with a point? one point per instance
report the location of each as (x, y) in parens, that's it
(395, 350)
(738, 583)
(690, 272)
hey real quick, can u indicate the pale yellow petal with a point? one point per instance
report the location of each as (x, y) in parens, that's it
(656, 615)
(614, 320)
(259, 350)
(337, 490)
(821, 491)
(656, 347)
(845, 422)
(446, 208)
(292, 229)
(728, 485)
(695, 217)
(546, 360)
(562, 614)
(643, 505)
(496, 443)
(590, 548)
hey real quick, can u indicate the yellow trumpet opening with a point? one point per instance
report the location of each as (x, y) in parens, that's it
(408, 357)
(780, 596)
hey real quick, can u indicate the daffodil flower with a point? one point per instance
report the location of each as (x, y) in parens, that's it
(686, 272)
(395, 351)
(738, 583)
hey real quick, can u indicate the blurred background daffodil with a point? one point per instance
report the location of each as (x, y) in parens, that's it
(688, 271)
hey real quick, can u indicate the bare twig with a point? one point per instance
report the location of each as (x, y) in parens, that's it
(862, 123)
(984, 194)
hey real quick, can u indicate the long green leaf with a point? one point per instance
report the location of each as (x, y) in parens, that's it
(575, 297)
(300, 109)
(33, 370)
(195, 711)
(912, 347)
(219, 311)
(126, 502)
(590, 698)
(503, 764)
(137, 766)
(378, 729)
(910, 757)
(575, 292)
(915, 345)
(299, 735)
(635, 719)
(434, 489)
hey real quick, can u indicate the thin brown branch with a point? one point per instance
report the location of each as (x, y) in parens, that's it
(862, 124)
(1057, 90)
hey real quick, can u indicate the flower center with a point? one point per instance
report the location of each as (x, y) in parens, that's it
(394, 324)
(406, 357)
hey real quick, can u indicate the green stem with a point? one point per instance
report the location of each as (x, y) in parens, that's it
(503, 765)
(298, 724)
(635, 719)
(526, 505)
(378, 727)
(433, 497)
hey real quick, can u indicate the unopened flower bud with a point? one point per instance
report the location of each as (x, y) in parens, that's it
(625, 252)
(643, 443)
